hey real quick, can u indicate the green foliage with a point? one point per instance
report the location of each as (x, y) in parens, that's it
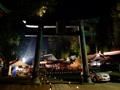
(9, 38)
(65, 46)
(29, 7)
(87, 48)
(75, 47)
(64, 55)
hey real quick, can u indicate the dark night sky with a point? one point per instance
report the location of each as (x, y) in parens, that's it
(85, 8)
(67, 8)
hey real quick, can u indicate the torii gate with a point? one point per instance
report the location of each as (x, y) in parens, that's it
(59, 26)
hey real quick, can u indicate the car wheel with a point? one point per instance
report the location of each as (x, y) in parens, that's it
(94, 79)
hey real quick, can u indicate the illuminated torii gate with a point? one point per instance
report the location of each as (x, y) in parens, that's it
(82, 42)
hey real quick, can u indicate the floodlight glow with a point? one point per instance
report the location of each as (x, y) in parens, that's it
(27, 53)
(50, 88)
(77, 87)
(19, 69)
(112, 53)
(95, 63)
(98, 55)
(24, 59)
(24, 21)
(49, 26)
(43, 62)
(32, 26)
(30, 35)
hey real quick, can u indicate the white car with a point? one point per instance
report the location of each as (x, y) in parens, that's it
(100, 76)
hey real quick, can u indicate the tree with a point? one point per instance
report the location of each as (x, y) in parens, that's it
(74, 45)
(90, 33)
(9, 40)
(27, 8)
(104, 33)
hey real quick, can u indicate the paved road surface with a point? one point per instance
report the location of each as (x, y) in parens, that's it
(23, 87)
(99, 86)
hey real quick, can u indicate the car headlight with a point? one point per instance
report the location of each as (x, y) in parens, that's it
(99, 75)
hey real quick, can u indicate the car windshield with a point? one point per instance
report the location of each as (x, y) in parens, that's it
(95, 70)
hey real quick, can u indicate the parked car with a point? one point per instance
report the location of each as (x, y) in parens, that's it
(100, 76)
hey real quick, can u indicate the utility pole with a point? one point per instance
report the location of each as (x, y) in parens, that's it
(86, 77)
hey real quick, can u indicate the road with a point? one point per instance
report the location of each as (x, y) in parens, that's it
(23, 87)
(98, 86)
